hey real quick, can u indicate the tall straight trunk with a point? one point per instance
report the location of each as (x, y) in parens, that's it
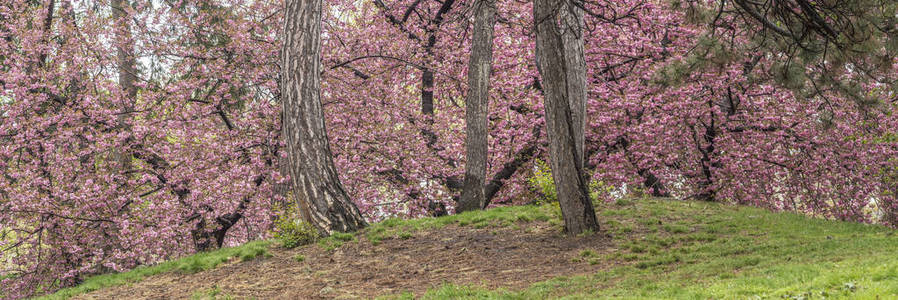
(427, 79)
(575, 62)
(316, 186)
(427, 92)
(477, 107)
(427, 106)
(427, 86)
(127, 73)
(557, 62)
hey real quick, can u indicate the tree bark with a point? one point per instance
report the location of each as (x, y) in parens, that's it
(575, 62)
(127, 74)
(477, 107)
(706, 190)
(427, 86)
(653, 183)
(427, 107)
(316, 186)
(557, 61)
(427, 92)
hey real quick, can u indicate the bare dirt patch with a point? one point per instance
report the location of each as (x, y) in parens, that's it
(491, 257)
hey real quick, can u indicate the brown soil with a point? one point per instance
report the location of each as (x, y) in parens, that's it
(490, 257)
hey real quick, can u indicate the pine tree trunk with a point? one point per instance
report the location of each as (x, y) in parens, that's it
(316, 186)
(477, 107)
(559, 58)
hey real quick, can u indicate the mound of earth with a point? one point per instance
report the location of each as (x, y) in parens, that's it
(492, 257)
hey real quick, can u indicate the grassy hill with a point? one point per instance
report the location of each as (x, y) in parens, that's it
(648, 249)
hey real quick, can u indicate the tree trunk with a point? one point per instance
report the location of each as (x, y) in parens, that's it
(427, 86)
(427, 92)
(706, 189)
(575, 62)
(316, 186)
(561, 83)
(427, 106)
(127, 74)
(477, 107)
(653, 183)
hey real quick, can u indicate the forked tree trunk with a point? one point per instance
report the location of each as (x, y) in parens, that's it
(316, 187)
(477, 107)
(559, 58)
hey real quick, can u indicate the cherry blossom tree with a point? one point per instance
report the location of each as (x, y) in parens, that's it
(200, 126)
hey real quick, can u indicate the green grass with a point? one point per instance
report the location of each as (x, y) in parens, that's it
(190, 264)
(501, 217)
(664, 249)
(211, 294)
(697, 250)
(391, 228)
(336, 240)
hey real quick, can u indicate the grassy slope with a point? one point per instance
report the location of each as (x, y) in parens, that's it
(706, 250)
(190, 264)
(665, 249)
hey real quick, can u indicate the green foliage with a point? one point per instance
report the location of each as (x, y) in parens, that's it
(299, 258)
(292, 232)
(542, 183)
(789, 74)
(708, 53)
